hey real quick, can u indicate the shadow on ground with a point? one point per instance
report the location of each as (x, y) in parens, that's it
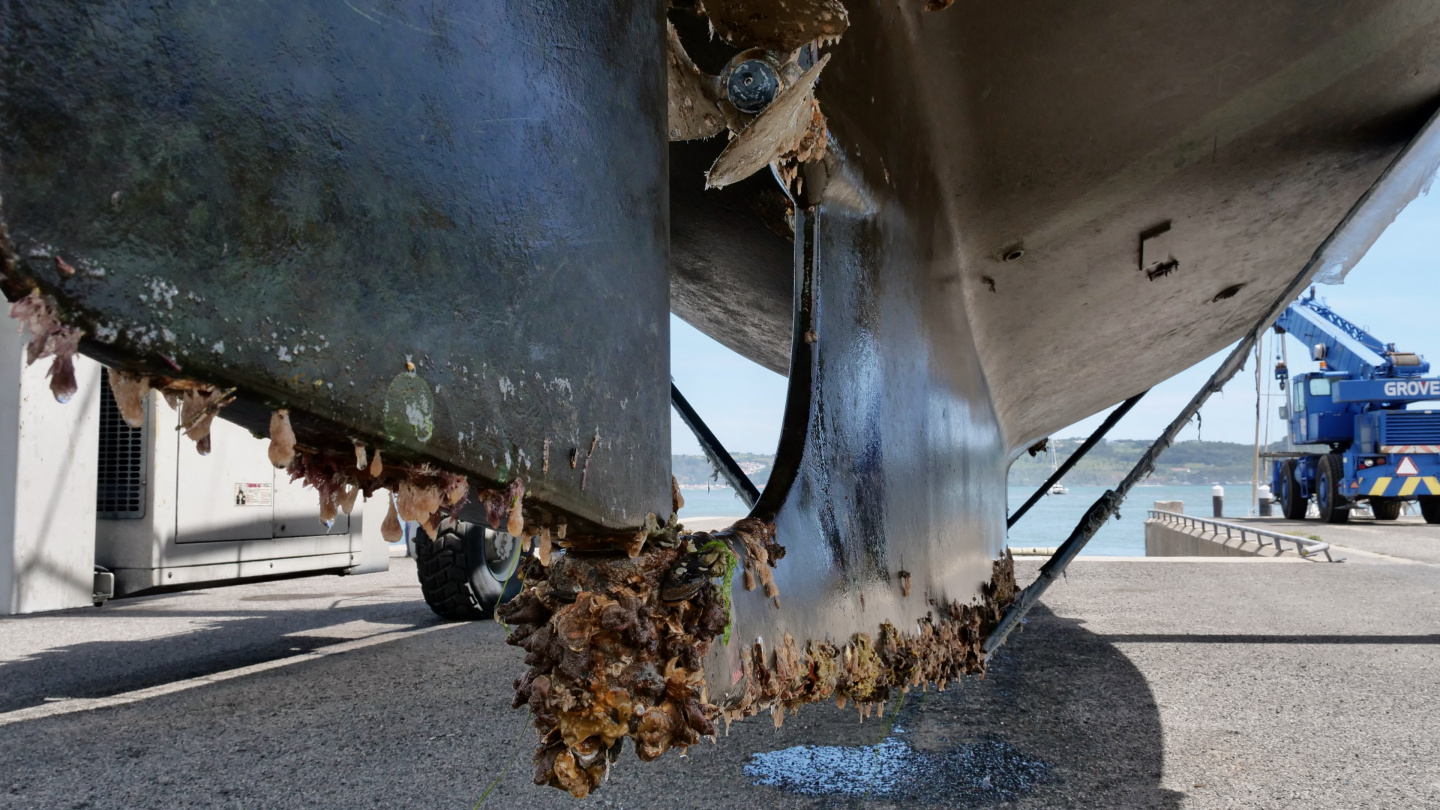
(1062, 720)
(188, 643)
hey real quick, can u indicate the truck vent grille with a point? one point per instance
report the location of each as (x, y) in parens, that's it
(1410, 427)
(120, 490)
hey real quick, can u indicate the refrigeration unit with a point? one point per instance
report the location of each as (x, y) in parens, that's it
(165, 516)
(92, 509)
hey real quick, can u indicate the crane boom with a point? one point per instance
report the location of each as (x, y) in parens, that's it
(1347, 347)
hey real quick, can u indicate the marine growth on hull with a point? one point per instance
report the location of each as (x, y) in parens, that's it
(616, 637)
(616, 628)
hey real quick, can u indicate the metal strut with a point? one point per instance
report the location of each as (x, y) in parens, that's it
(1109, 503)
(719, 457)
(1110, 422)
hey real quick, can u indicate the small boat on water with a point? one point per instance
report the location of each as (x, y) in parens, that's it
(1057, 488)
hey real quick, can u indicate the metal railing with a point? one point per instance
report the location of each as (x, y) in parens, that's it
(1304, 546)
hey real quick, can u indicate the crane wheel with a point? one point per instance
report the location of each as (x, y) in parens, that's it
(1328, 499)
(1292, 503)
(467, 571)
(1386, 508)
(1430, 508)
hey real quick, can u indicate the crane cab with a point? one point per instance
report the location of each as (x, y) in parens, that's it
(1314, 416)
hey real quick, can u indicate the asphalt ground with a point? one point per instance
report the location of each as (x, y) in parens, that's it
(1217, 683)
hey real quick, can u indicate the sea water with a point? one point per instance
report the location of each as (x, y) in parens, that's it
(1053, 517)
(1049, 521)
(714, 502)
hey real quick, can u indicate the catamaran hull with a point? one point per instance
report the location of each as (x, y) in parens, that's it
(449, 235)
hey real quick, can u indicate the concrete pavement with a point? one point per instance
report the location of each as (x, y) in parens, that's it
(1408, 538)
(1136, 684)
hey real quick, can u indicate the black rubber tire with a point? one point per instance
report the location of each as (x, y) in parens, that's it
(458, 578)
(1328, 499)
(1430, 508)
(1386, 508)
(1292, 505)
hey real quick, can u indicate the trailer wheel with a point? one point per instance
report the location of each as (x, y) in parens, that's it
(467, 571)
(1327, 491)
(1430, 508)
(1292, 504)
(1386, 508)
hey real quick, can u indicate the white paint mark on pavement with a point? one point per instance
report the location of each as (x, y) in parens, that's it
(58, 706)
(348, 630)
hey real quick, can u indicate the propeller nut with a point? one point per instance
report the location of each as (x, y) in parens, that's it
(751, 86)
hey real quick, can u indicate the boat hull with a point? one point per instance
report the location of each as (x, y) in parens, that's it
(1054, 148)
(450, 233)
(436, 228)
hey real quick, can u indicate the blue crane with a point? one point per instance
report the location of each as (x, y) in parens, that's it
(1380, 451)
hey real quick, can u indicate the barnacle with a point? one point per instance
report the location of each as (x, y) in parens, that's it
(347, 499)
(425, 493)
(761, 553)
(421, 492)
(677, 500)
(866, 671)
(130, 391)
(329, 509)
(194, 416)
(390, 529)
(456, 489)
(62, 344)
(282, 439)
(417, 501)
(515, 495)
(637, 543)
(609, 659)
(49, 338)
(420, 501)
(198, 405)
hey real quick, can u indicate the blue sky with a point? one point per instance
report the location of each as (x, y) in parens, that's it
(741, 402)
(1394, 291)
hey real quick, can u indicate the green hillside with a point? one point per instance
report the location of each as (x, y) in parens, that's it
(696, 470)
(1185, 463)
(1191, 462)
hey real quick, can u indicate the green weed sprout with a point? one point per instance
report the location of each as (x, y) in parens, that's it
(725, 582)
